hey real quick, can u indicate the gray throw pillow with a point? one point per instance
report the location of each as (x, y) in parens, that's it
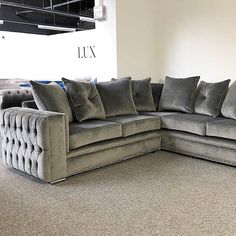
(178, 94)
(117, 97)
(210, 97)
(51, 97)
(228, 109)
(142, 95)
(85, 100)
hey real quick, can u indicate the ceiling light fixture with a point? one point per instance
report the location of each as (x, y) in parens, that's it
(1, 22)
(57, 28)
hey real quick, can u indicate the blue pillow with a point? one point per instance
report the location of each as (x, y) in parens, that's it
(59, 82)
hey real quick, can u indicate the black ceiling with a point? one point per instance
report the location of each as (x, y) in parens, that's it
(18, 19)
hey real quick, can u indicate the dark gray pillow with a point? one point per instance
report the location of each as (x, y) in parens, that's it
(228, 109)
(85, 100)
(210, 97)
(178, 94)
(117, 97)
(51, 97)
(142, 95)
(156, 93)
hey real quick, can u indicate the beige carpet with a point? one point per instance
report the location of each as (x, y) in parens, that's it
(156, 194)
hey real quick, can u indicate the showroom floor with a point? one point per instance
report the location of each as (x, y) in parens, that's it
(156, 194)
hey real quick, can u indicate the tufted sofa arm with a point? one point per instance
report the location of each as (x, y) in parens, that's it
(14, 97)
(35, 142)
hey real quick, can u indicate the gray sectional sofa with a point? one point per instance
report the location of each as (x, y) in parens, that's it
(45, 145)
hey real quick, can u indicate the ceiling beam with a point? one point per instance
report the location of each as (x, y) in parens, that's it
(66, 3)
(38, 9)
(53, 6)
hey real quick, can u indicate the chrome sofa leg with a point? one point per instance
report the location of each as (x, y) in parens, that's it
(57, 181)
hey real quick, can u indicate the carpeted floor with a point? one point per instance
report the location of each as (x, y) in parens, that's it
(156, 194)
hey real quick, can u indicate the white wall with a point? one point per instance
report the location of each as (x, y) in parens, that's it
(65, 50)
(196, 37)
(51, 57)
(107, 42)
(23, 56)
(164, 37)
(136, 38)
(104, 66)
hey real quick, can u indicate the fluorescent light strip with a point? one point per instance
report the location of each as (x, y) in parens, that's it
(87, 19)
(57, 28)
(47, 27)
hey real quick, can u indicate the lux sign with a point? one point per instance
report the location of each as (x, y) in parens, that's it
(86, 52)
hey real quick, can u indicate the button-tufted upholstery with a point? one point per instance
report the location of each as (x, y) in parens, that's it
(34, 142)
(14, 97)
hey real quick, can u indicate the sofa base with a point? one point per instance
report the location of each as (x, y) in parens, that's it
(58, 181)
(115, 153)
(209, 148)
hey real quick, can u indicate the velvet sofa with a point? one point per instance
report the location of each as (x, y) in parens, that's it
(45, 145)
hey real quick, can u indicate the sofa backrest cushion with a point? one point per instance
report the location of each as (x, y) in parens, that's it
(85, 100)
(228, 109)
(156, 93)
(117, 97)
(210, 97)
(178, 94)
(51, 97)
(14, 97)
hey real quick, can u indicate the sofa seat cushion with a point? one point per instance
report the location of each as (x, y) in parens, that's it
(87, 132)
(132, 124)
(222, 128)
(191, 123)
